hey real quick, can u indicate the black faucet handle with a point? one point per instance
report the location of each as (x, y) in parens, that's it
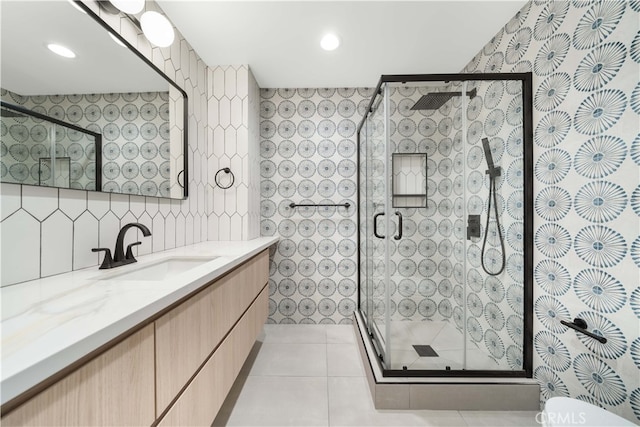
(129, 254)
(107, 262)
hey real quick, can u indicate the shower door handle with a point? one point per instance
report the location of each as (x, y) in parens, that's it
(399, 236)
(375, 225)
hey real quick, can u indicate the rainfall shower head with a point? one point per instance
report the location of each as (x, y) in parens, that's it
(435, 100)
(10, 114)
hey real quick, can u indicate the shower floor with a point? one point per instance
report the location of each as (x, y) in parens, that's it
(443, 338)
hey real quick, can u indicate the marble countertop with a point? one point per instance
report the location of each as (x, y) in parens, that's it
(47, 324)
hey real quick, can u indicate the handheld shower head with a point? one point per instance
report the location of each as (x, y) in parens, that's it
(492, 171)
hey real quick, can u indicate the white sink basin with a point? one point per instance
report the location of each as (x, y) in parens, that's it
(162, 270)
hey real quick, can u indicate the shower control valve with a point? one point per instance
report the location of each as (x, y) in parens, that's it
(473, 226)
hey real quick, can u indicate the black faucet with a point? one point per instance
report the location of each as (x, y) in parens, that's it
(120, 258)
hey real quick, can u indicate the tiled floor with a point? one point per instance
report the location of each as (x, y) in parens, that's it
(444, 338)
(312, 375)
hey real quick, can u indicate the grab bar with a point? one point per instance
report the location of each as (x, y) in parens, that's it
(581, 326)
(298, 205)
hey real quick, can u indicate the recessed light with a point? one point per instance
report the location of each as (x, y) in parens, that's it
(330, 42)
(61, 50)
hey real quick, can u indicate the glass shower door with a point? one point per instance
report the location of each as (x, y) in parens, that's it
(427, 172)
(377, 224)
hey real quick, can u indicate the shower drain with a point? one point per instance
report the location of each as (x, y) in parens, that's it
(425, 351)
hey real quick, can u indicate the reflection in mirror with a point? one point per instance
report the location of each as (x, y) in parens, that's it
(38, 150)
(56, 110)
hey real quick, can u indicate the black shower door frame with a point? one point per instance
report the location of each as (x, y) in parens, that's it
(527, 125)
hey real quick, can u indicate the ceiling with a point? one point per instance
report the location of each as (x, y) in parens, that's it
(27, 67)
(280, 39)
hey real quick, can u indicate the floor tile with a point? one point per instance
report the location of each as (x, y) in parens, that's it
(350, 404)
(294, 334)
(340, 334)
(289, 381)
(420, 332)
(276, 401)
(500, 418)
(448, 339)
(297, 360)
(251, 358)
(343, 360)
(478, 359)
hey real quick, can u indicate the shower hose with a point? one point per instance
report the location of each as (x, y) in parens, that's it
(492, 193)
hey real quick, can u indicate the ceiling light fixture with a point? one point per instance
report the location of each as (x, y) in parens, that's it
(128, 6)
(157, 28)
(330, 42)
(61, 50)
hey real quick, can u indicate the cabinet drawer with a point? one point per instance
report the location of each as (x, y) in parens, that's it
(199, 404)
(187, 335)
(115, 388)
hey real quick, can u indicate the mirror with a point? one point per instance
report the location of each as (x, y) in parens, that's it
(106, 120)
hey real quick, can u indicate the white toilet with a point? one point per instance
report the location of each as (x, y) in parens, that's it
(564, 411)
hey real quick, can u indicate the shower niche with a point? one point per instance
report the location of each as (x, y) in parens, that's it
(434, 151)
(409, 175)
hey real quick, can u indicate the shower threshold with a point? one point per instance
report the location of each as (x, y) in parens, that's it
(443, 393)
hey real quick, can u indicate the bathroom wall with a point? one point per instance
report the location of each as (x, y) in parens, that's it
(585, 58)
(308, 152)
(233, 134)
(135, 132)
(47, 231)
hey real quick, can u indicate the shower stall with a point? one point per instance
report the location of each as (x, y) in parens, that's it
(445, 227)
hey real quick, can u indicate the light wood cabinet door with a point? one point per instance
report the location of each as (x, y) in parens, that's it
(248, 330)
(115, 389)
(199, 404)
(188, 334)
(182, 344)
(235, 291)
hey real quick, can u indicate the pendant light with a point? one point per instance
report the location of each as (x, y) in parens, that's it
(128, 6)
(157, 28)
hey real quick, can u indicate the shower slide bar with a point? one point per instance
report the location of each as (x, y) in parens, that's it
(298, 205)
(581, 326)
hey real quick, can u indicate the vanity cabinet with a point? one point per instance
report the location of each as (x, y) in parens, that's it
(116, 388)
(176, 370)
(187, 335)
(201, 400)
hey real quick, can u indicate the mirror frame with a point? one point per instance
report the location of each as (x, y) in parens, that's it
(185, 112)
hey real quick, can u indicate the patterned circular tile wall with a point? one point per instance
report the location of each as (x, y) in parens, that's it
(308, 155)
(584, 59)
